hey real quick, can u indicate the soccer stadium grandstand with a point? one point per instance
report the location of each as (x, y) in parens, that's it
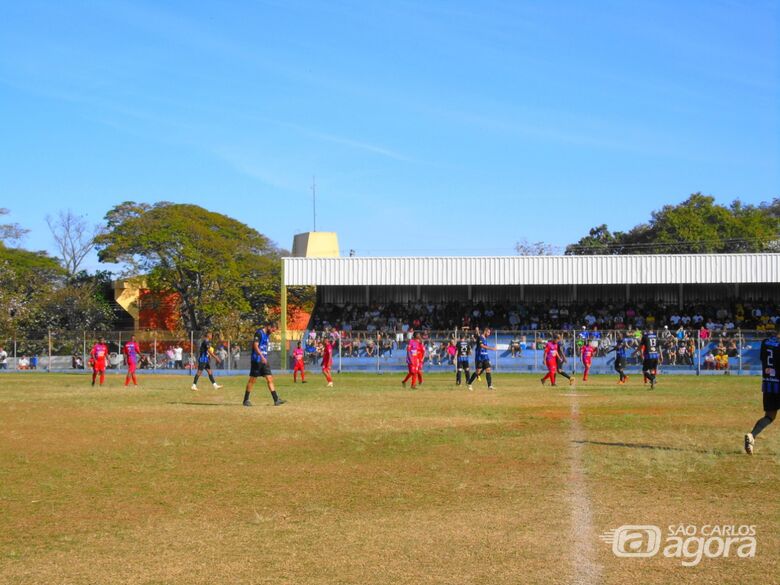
(709, 309)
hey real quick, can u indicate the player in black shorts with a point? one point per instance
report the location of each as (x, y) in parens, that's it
(463, 350)
(620, 359)
(770, 387)
(259, 367)
(561, 358)
(482, 359)
(205, 353)
(648, 348)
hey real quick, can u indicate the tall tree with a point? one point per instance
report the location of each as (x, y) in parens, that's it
(207, 258)
(697, 225)
(74, 237)
(10, 232)
(526, 248)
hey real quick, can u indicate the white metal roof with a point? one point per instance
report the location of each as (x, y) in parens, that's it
(533, 270)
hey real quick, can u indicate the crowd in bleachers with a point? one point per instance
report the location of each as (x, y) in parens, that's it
(393, 318)
(380, 329)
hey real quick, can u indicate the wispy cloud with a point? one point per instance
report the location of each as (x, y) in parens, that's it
(256, 165)
(359, 145)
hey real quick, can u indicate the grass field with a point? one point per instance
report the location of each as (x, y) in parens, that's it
(370, 483)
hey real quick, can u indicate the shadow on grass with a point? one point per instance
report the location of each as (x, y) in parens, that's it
(204, 403)
(656, 447)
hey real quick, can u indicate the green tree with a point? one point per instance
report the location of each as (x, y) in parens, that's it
(27, 278)
(208, 259)
(697, 225)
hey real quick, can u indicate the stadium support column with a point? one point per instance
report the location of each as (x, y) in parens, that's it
(283, 324)
(680, 292)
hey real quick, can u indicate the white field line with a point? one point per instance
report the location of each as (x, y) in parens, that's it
(587, 571)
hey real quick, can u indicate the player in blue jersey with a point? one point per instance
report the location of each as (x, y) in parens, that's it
(462, 350)
(259, 367)
(482, 359)
(205, 353)
(770, 387)
(620, 350)
(649, 350)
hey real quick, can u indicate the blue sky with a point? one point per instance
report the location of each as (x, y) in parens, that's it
(439, 127)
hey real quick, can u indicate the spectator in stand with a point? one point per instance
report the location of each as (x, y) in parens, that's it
(452, 350)
(34, 362)
(3, 359)
(23, 363)
(178, 356)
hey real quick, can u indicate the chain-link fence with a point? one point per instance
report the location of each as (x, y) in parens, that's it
(683, 351)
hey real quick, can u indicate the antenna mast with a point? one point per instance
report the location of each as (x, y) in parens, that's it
(314, 201)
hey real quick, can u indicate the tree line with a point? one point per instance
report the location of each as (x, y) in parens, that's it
(226, 274)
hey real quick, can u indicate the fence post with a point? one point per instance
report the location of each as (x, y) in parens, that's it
(192, 347)
(376, 351)
(48, 366)
(699, 343)
(121, 356)
(84, 349)
(536, 356)
(230, 357)
(154, 365)
(495, 344)
(16, 359)
(350, 333)
(739, 353)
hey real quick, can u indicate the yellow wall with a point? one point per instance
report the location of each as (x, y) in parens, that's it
(316, 245)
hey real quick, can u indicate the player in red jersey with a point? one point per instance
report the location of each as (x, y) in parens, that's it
(551, 354)
(327, 360)
(420, 361)
(413, 350)
(587, 352)
(98, 356)
(298, 364)
(131, 350)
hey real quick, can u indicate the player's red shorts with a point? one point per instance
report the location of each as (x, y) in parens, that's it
(586, 362)
(325, 365)
(298, 367)
(413, 367)
(131, 365)
(99, 365)
(552, 366)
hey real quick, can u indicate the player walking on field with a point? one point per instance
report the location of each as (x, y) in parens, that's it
(462, 352)
(648, 349)
(551, 353)
(131, 351)
(413, 349)
(327, 360)
(259, 368)
(586, 355)
(98, 356)
(205, 353)
(770, 388)
(298, 364)
(482, 359)
(620, 359)
(561, 360)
